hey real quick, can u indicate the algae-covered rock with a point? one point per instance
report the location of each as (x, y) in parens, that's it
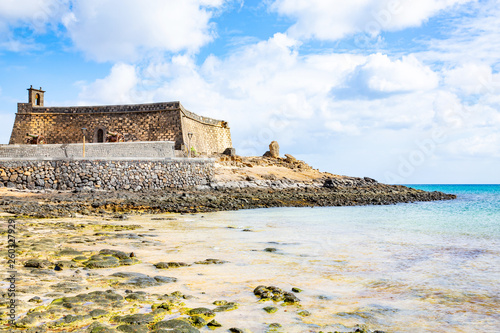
(270, 249)
(132, 329)
(99, 297)
(68, 252)
(227, 307)
(98, 261)
(235, 330)
(147, 281)
(197, 321)
(67, 287)
(214, 324)
(66, 264)
(98, 313)
(32, 319)
(270, 309)
(166, 265)
(97, 327)
(128, 275)
(72, 320)
(290, 298)
(165, 279)
(115, 253)
(136, 319)
(109, 259)
(174, 326)
(38, 263)
(304, 313)
(139, 296)
(201, 312)
(211, 262)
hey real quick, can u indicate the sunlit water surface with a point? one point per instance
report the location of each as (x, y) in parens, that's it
(422, 267)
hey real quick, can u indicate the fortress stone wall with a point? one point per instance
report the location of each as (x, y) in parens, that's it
(123, 150)
(138, 122)
(111, 175)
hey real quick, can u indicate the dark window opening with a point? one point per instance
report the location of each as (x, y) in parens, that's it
(37, 99)
(100, 135)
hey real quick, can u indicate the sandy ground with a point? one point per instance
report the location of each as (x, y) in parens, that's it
(9, 192)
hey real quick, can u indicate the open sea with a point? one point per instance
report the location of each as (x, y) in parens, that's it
(419, 267)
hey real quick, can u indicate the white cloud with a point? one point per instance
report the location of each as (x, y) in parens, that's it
(470, 38)
(336, 19)
(472, 79)
(383, 75)
(118, 87)
(35, 15)
(127, 30)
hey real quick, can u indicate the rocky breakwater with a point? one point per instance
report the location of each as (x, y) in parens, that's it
(247, 195)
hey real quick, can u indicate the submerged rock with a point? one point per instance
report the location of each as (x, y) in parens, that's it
(110, 258)
(211, 262)
(136, 319)
(174, 326)
(276, 294)
(144, 281)
(38, 263)
(165, 265)
(230, 306)
(201, 312)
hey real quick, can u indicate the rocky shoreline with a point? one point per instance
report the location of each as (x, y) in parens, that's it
(218, 197)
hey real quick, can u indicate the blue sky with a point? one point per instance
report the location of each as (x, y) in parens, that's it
(402, 91)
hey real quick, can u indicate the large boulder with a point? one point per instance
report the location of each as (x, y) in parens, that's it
(274, 149)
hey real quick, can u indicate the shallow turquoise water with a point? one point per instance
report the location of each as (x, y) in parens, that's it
(419, 267)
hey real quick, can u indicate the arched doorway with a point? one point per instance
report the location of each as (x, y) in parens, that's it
(100, 135)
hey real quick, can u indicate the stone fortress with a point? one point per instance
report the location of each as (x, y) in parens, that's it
(154, 155)
(137, 122)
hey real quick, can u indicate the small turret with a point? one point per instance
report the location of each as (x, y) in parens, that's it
(35, 96)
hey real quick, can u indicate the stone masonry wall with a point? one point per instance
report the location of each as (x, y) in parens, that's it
(208, 137)
(106, 175)
(131, 150)
(58, 126)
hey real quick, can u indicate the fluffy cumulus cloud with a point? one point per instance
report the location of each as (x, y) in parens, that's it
(472, 78)
(380, 74)
(127, 30)
(118, 87)
(335, 19)
(35, 15)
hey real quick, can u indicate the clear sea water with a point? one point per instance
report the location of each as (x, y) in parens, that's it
(419, 267)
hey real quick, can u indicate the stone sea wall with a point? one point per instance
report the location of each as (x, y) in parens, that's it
(131, 175)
